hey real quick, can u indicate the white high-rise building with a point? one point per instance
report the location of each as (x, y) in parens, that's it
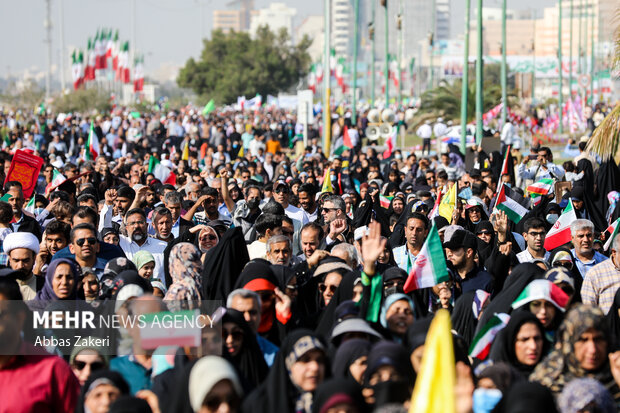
(342, 26)
(276, 16)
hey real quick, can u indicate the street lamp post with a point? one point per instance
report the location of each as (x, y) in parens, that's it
(465, 85)
(387, 55)
(561, 127)
(479, 73)
(503, 71)
(355, 47)
(327, 80)
(372, 39)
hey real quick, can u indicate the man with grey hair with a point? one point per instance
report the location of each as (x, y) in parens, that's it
(172, 201)
(279, 250)
(582, 237)
(192, 191)
(603, 281)
(334, 212)
(348, 253)
(248, 302)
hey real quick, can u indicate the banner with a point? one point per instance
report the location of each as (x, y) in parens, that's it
(25, 169)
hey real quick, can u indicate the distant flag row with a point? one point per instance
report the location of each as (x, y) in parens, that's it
(106, 52)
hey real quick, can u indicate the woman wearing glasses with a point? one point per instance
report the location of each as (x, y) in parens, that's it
(85, 360)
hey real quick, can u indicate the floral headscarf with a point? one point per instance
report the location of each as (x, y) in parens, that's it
(561, 365)
(185, 267)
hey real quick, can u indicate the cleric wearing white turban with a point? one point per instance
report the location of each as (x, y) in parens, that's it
(22, 248)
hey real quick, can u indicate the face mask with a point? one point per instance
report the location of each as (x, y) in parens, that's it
(253, 203)
(332, 177)
(552, 218)
(397, 156)
(486, 399)
(38, 211)
(392, 290)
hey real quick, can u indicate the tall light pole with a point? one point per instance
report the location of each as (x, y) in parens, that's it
(561, 101)
(327, 80)
(432, 44)
(387, 54)
(592, 72)
(534, 58)
(580, 58)
(355, 47)
(400, 52)
(62, 45)
(479, 73)
(48, 39)
(372, 39)
(465, 85)
(570, 42)
(503, 68)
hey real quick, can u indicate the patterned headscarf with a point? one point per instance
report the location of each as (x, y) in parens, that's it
(582, 393)
(613, 197)
(185, 267)
(561, 365)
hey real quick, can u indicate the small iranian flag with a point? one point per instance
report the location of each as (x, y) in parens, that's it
(92, 145)
(161, 172)
(30, 205)
(429, 268)
(481, 344)
(542, 187)
(613, 230)
(505, 163)
(435, 211)
(57, 178)
(542, 290)
(511, 203)
(181, 328)
(385, 201)
(560, 233)
(391, 143)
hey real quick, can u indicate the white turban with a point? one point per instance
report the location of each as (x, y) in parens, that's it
(21, 240)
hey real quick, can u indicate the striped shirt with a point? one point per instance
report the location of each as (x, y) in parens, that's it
(600, 285)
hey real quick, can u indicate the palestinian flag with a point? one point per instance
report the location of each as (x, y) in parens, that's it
(542, 290)
(429, 268)
(542, 187)
(511, 203)
(560, 233)
(385, 201)
(92, 144)
(613, 230)
(481, 344)
(161, 172)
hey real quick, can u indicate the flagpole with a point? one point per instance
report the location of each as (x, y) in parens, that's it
(326, 80)
(400, 53)
(570, 41)
(372, 39)
(387, 55)
(355, 47)
(432, 44)
(503, 67)
(592, 58)
(479, 73)
(465, 84)
(560, 99)
(62, 46)
(534, 58)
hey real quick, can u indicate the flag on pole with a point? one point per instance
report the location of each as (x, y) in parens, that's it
(89, 71)
(77, 60)
(122, 74)
(138, 74)
(448, 203)
(115, 51)
(481, 344)
(429, 268)
(109, 47)
(391, 143)
(57, 179)
(92, 144)
(505, 163)
(327, 182)
(511, 203)
(161, 172)
(435, 211)
(209, 107)
(542, 187)
(385, 201)
(560, 233)
(30, 205)
(613, 230)
(434, 387)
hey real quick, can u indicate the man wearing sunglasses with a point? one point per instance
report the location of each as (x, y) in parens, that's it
(534, 235)
(85, 245)
(281, 194)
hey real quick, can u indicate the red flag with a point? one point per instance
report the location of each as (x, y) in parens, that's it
(505, 164)
(347, 138)
(25, 169)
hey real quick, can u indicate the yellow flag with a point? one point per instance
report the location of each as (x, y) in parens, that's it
(434, 387)
(448, 202)
(240, 154)
(327, 182)
(185, 156)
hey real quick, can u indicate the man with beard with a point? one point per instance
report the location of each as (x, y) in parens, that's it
(161, 220)
(534, 235)
(85, 245)
(172, 201)
(117, 202)
(23, 222)
(416, 230)
(461, 252)
(137, 239)
(22, 248)
(582, 237)
(307, 200)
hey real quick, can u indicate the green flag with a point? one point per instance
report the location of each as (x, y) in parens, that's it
(209, 107)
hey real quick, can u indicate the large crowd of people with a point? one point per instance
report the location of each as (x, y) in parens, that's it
(306, 253)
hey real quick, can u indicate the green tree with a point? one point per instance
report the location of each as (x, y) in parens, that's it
(82, 100)
(233, 64)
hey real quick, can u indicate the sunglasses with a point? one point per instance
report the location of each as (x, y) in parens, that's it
(79, 365)
(209, 237)
(81, 241)
(567, 264)
(484, 233)
(323, 287)
(282, 190)
(236, 334)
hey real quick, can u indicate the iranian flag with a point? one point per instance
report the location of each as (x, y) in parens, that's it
(435, 211)
(385, 201)
(122, 72)
(30, 206)
(542, 187)
(57, 179)
(77, 65)
(391, 143)
(181, 328)
(161, 172)
(542, 290)
(505, 163)
(312, 79)
(138, 75)
(319, 72)
(511, 203)
(92, 149)
(613, 230)
(115, 51)
(560, 234)
(109, 46)
(394, 72)
(99, 51)
(429, 268)
(89, 71)
(481, 344)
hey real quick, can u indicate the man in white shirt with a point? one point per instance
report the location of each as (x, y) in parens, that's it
(267, 225)
(281, 193)
(137, 239)
(534, 235)
(425, 132)
(544, 169)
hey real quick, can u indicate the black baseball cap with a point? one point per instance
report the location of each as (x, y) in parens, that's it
(461, 239)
